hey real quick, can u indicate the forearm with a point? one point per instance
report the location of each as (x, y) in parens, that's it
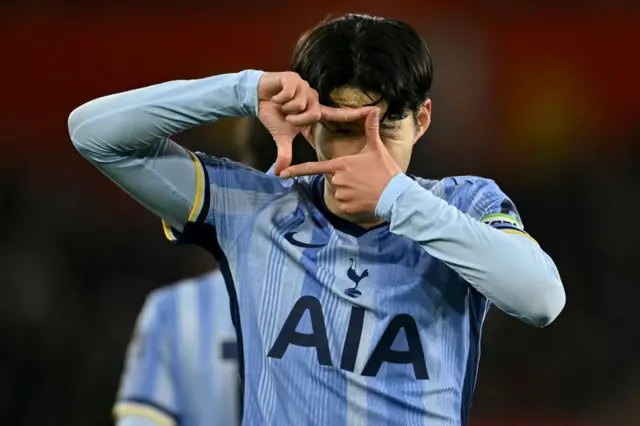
(510, 270)
(126, 136)
(132, 121)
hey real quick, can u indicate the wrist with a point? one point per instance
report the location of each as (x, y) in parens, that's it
(247, 91)
(394, 189)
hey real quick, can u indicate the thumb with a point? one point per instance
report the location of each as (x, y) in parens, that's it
(284, 144)
(372, 128)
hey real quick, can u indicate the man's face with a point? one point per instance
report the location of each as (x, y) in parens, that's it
(333, 140)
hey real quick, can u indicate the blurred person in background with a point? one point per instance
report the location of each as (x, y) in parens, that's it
(181, 364)
(288, 244)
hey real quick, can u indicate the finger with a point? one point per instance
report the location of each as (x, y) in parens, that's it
(342, 115)
(287, 93)
(284, 144)
(307, 118)
(294, 106)
(372, 128)
(310, 116)
(312, 168)
(338, 179)
(342, 194)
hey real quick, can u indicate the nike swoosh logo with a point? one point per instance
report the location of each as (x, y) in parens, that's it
(289, 237)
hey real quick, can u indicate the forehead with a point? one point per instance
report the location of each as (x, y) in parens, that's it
(351, 97)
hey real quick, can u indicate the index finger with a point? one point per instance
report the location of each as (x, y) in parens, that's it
(343, 115)
(311, 168)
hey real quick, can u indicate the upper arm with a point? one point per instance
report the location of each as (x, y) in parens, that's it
(147, 387)
(164, 177)
(485, 201)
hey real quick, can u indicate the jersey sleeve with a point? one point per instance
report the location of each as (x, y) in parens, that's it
(485, 201)
(147, 394)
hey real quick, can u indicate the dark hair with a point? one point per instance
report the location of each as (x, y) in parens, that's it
(375, 55)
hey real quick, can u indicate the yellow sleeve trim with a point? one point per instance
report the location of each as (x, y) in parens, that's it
(197, 203)
(199, 188)
(124, 409)
(515, 231)
(167, 231)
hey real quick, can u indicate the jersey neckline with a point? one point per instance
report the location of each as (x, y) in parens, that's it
(342, 225)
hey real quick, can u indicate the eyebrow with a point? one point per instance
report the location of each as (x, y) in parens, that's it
(386, 124)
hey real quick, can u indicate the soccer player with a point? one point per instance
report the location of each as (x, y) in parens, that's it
(181, 366)
(358, 291)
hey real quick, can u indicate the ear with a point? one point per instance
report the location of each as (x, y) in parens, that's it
(307, 132)
(424, 119)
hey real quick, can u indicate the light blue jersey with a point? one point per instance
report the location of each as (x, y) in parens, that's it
(181, 366)
(365, 322)
(337, 325)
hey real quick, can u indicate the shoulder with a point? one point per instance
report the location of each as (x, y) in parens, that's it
(452, 188)
(472, 194)
(226, 173)
(164, 301)
(182, 302)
